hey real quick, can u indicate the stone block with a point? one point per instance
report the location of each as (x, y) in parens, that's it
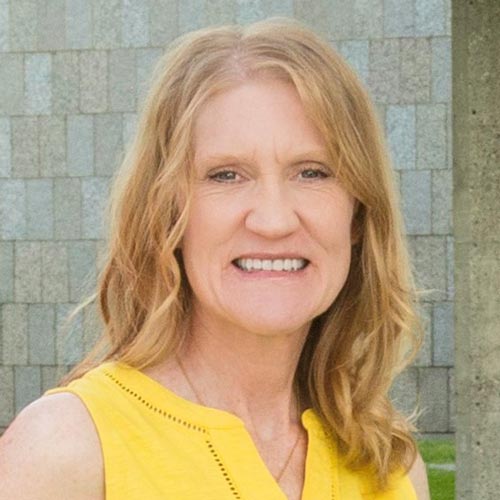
(135, 23)
(69, 340)
(227, 11)
(401, 130)
(25, 151)
(424, 356)
(23, 25)
(368, 19)
(431, 136)
(93, 81)
(122, 80)
(399, 18)
(403, 393)
(51, 376)
(92, 327)
(248, 12)
(11, 89)
(39, 209)
(441, 69)
(129, 128)
(384, 77)
(80, 144)
(52, 143)
(12, 209)
(109, 145)
(428, 255)
(41, 334)
(14, 334)
(6, 272)
(442, 198)
(191, 15)
(452, 400)
(357, 54)
(416, 201)
(67, 209)
(65, 82)
(4, 25)
(94, 200)
(335, 24)
(443, 351)
(51, 25)
(7, 392)
(82, 269)
(28, 385)
(79, 24)
(55, 282)
(163, 22)
(450, 265)
(415, 70)
(146, 62)
(107, 17)
(433, 399)
(5, 148)
(28, 272)
(430, 17)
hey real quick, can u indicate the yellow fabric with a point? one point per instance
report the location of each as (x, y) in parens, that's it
(157, 445)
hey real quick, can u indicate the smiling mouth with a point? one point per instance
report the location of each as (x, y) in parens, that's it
(277, 265)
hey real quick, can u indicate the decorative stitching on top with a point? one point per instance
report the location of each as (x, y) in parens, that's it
(223, 469)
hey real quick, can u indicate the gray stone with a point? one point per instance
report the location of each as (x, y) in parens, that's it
(15, 334)
(80, 143)
(399, 18)
(368, 19)
(403, 392)
(430, 17)
(452, 402)
(11, 88)
(129, 128)
(146, 62)
(93, 81)
(23, 25)
(41, 334)
(433, 392)
(7, 392)
(51, 376)
(225, 11)
(55, 272)
(69, 340)
(5, 149)
(25, 151)
(424, 357)
(431, 136)
(6, 272)
(28, 385)
(39, 209)
(450, 261)
(415, 70)
(67, 209)
(428, 255)
(82, 269)
(442, 191)
(12, 209)
(357, 52)
(443, 334)
(92, 327)
(400, 129)
(109, 145)
(249, 11)
(135, 23)
(65, 83)
(94, 198)
(163, 21)
(416, 201)
(51, 25)
(122, 80)
(107, 16)
(4, 25)
(52, 143)
(79, 24)
(191, 15)
(384, 77)
(441, 69)
(28, 272)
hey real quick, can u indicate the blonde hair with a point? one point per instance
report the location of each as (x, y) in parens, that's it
(354, 349)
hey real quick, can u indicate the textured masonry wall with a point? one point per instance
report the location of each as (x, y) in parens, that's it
(72, 75)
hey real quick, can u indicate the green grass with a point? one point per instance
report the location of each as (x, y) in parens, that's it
(441, 482)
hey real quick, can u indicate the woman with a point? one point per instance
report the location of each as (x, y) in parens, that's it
(256, 298)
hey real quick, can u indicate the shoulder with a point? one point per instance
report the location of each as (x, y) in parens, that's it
(418, 477)
(52, 450)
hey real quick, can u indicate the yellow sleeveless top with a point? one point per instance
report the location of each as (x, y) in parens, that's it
(157, 445)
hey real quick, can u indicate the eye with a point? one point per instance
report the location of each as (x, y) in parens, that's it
(224, 176)
(313, 173)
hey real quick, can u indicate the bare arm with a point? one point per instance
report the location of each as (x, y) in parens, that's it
(52, 451)
(418, 477)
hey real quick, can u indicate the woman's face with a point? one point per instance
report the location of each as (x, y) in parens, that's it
(268, 242)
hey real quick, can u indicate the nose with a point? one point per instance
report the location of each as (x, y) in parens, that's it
(272, 213)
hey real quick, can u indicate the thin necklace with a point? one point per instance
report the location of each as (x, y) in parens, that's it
(200, 401)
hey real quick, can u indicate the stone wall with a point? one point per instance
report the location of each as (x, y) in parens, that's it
(72, 76)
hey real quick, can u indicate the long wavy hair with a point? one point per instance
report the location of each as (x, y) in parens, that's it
(369, 333)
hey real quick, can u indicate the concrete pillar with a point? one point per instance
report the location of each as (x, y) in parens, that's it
(476, 210)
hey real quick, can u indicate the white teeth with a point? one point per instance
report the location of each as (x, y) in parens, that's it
(271, 264)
